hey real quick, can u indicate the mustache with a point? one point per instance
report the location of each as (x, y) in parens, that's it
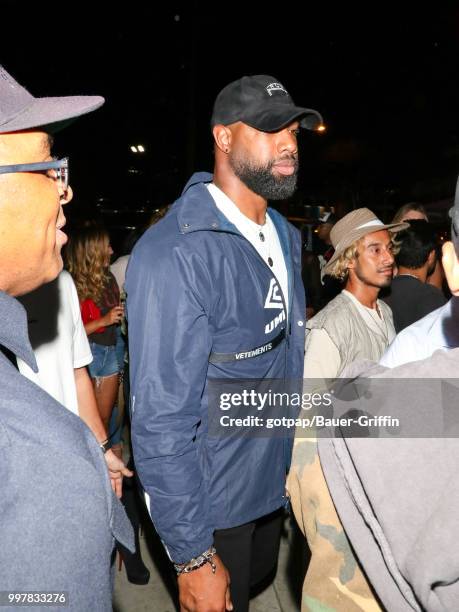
(290, 158)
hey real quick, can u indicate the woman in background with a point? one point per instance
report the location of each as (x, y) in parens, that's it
(88, 259)
(407, 212)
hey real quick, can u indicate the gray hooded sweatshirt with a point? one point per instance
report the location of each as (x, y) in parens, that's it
(398, 497)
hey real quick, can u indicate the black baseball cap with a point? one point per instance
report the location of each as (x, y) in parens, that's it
(263, 103)
(20, 110)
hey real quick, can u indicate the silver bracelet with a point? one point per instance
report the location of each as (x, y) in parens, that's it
(197, 562)
(105, 445)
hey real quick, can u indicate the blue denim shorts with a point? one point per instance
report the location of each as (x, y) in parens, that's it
(104, 361)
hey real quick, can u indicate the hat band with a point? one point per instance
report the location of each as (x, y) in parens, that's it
(372, 223)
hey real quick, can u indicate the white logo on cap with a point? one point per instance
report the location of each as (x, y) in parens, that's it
(275, 87)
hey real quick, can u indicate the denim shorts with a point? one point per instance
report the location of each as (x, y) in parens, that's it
(104, 361)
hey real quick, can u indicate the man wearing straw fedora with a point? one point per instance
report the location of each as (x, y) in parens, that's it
(397, 496)
(355, 325)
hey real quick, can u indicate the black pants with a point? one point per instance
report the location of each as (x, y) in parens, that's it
(249, 553)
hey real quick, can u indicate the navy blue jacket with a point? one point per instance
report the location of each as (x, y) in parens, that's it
(196, 286)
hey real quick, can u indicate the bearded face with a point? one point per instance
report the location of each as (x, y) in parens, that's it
(274, 180)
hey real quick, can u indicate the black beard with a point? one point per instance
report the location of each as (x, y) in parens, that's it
(261, 180)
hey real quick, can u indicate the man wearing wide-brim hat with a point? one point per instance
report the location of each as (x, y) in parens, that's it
(355, 325)
(397, 496)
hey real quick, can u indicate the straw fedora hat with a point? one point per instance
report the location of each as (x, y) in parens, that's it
(353, 226)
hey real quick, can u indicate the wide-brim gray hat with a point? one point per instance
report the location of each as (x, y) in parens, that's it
(19, 110)
(356, 225)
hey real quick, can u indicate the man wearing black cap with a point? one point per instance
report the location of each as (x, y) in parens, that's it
(59, 514)
(223, 300)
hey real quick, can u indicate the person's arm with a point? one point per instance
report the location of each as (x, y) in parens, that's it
(87, 405)
(322, 359)
(89, 413)
(112, 317)
(169, 347)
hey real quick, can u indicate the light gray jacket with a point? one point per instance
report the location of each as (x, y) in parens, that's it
(349, 332)
(58, 514)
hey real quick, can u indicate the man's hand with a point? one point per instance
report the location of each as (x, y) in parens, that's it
(203, 591)
(116, 471)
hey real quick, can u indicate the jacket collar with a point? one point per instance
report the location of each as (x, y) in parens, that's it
(13, 329)
(196, 210)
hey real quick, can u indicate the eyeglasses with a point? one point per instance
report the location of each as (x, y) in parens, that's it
(59, 168)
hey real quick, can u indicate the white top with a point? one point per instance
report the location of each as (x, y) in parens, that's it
(269, 247)
(437, 330)
(58, 339)
(118, 269)
(375, 321)
(322, 359)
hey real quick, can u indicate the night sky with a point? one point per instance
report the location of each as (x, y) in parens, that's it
(385, 80)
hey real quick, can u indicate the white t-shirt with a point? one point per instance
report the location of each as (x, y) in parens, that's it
(118, 269)
(58, 339)
(374, 318)
(269, 247)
